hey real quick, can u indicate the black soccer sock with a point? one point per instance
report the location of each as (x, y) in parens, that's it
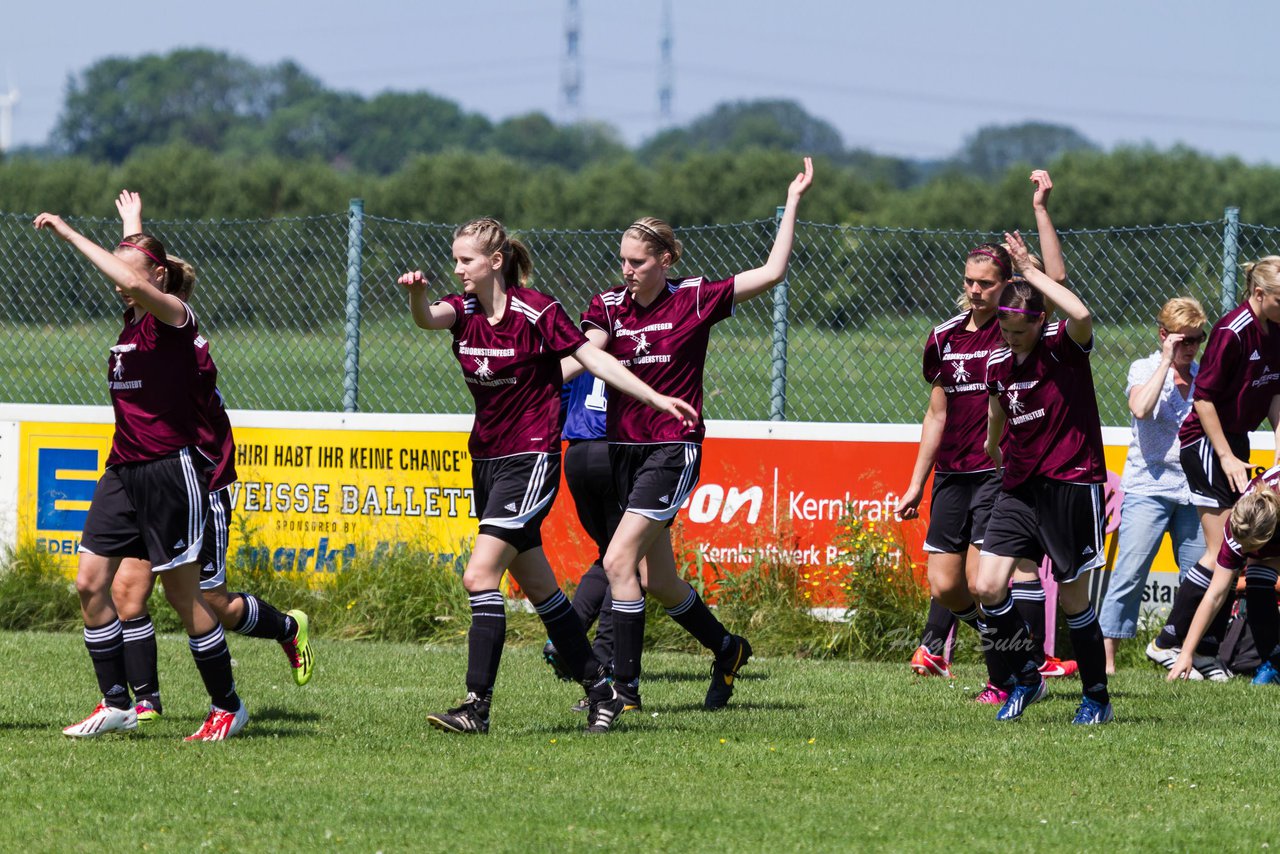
(261, 620)
(1261, 611)
(1028, 598)
(937, 627)
(998, 672)
(1010, 639)
(588, 599)
(696, 618)
(213, 660)
(485, 639)
(603, 644)
(1091, 655)
(106, 647)
(566, 632)
(628, 639)
(140, 659)
(1185, 602)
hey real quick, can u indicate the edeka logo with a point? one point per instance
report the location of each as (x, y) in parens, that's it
(710, 500)
(64, 475)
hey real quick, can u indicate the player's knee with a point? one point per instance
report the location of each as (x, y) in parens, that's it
(618, 567)
(990, 591)
(475, 579)
(221, 603)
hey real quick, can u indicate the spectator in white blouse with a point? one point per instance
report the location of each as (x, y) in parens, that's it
(1156, 496)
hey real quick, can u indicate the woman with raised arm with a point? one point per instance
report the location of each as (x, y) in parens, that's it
(1237, 388)
(243, 613)
(1156, 496)
(152, 499)
(1051, 496)
(509, 340)
(659, 328)
(965, 483)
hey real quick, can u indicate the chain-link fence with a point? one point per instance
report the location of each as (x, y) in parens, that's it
(305, 314)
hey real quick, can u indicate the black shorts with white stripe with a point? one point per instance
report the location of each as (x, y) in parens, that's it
(213, 553)
(1208, 482)
(960, 508)
(1040, 517)
(654, 480)
(153, 510)
(514, 494)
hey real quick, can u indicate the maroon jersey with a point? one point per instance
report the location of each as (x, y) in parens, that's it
(1053, 429)
(151, 375)
(1231, 555)
(512, 369)
(956, 359)
(664, 344)
(1239, 374)
(215, 437)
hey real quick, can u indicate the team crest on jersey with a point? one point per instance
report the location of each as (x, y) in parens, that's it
(962, 373)
(642, 344)
(118, 350)
(1015, 406)
(482, 368)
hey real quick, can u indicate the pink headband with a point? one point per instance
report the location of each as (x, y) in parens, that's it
(1019, 310)
(1000, 262)
(143, 251)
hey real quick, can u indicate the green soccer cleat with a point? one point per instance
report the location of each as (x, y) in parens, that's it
(147, 711)
(298, 650)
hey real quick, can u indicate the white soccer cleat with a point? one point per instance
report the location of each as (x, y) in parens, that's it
(1166, 658)
(221, 724)
(104, 719)
(1211, 668)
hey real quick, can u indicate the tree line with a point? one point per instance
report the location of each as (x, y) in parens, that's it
(206, 135)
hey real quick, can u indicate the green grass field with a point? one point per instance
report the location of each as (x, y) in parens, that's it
(811, 756)
(870, 374)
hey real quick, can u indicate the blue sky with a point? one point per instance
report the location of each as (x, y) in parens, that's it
(910, 79)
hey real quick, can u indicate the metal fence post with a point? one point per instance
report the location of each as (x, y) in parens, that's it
(778, 389)
(1230, 257)
(355, 253)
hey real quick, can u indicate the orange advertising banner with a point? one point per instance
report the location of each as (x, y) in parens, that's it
(771, 498)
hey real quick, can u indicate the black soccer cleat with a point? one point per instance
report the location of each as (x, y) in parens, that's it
(629, 695)
(724, 670)
(603, 713)
(471, 717)
(556, 661)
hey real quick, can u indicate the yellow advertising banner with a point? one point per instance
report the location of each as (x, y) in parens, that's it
(306, 500)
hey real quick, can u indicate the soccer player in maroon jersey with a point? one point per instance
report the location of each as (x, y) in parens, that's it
(1051, 498)
(243, 613)
(1238, 386)
(1249, 542)
(509, 340)
(659, 328)
(952, 447)
(152, 499)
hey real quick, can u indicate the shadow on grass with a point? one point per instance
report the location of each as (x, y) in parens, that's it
(32, 726)
(701, 675)
(734, 705)
(276, 721)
